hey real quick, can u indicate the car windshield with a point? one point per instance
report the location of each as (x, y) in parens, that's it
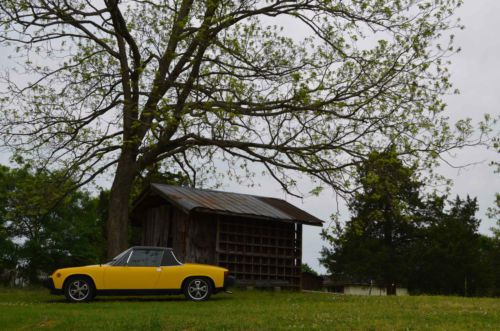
(119, 256)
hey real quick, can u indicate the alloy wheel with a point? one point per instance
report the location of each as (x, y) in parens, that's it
(198, 289)
(79, 290)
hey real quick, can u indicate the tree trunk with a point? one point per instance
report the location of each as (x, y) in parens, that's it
(391, 288)
(118, 216)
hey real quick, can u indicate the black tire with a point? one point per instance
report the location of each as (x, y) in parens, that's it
(198, 288)
(79, 289)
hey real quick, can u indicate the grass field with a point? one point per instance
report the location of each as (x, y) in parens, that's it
(248, 310)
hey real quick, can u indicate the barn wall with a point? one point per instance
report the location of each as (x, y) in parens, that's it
(200, 239)
(311, 281)
(259, 252)
(192, 237)
(180, 227)
(156, 226)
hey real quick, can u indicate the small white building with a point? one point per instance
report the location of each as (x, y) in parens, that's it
(359, 288)
(363, 289)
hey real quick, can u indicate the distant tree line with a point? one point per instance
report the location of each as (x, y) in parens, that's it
(397, 236)
(307, 268)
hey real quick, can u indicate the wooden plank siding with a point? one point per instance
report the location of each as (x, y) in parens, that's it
(192, 236)
(260, 253)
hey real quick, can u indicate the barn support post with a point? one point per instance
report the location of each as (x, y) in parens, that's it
(217, 239)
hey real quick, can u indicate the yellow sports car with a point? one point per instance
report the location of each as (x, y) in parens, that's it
(140, 270)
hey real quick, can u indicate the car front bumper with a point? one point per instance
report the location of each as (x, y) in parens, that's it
(49, 283)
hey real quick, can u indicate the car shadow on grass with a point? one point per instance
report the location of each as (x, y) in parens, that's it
(106, 299)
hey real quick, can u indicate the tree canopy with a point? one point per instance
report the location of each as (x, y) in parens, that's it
(374, 244)
(396, 235)
(193, 85)
(43, 228)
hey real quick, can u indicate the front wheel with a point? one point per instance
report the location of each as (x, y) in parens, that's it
(198, 289)
(79, 289)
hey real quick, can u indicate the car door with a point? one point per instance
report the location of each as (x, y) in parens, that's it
(172, 272)
(140, 271)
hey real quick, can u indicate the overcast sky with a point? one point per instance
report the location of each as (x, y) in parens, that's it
(476, 72)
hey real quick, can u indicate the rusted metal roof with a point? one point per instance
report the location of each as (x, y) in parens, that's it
(245, 205)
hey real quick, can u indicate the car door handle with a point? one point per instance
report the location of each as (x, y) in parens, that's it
(158, 269)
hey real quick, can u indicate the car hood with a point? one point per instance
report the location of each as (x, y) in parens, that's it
(85, 267)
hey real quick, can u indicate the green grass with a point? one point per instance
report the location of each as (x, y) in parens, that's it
(248, 310)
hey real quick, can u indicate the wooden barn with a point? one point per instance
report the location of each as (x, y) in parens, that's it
(259, 239)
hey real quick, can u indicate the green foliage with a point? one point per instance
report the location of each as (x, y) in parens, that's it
(374, 243)
(395, 236)
(306, 268)
(47, 226)
(494, 213)
(449, 255)
(154, 174)
(7, 247)
(8, 254)
(195, 84)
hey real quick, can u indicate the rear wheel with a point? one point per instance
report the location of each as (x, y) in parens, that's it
(198, 289)
(79, 289)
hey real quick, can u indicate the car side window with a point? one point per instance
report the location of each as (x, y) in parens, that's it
(145, 258)
(169, 259)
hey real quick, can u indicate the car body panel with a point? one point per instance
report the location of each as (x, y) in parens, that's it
(93, 271)
(172, 277)
(133, 278)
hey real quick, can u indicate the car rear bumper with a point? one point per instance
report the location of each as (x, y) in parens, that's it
(49, 283)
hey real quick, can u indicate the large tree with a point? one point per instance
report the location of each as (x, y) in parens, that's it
(447, 253)
(377, 242)
(199, 85)
(8, 259)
